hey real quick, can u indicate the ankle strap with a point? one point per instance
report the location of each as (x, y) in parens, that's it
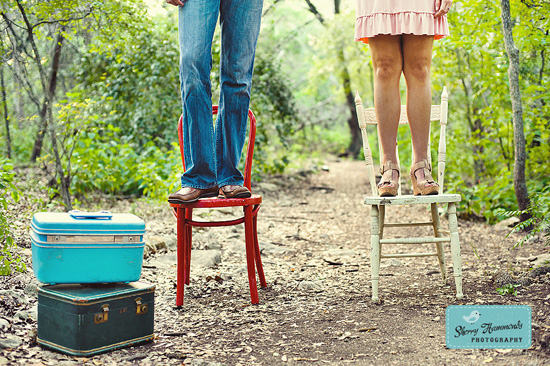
(388, 166)
(421, 164)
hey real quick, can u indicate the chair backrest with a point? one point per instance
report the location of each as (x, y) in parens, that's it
(249, 149)
(367, 116)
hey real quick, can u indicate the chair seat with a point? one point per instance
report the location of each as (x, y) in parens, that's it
(214, 202)
(412, 200)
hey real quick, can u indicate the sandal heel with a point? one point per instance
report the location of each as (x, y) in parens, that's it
(421, 188)
(383, 189)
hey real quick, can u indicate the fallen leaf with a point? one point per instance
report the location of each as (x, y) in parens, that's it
(344, 336)
(306, 359)
(503, 350)
(368, 329)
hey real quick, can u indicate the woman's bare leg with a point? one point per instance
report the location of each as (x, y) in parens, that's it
(387, 60)
(417, 58)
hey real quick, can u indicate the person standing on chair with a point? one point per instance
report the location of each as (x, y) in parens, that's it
(400, 34)
(212, 154)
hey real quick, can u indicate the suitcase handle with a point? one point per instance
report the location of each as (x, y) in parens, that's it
(100, 215)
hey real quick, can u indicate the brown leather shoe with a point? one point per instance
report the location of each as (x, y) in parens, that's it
(188, 194)
(234, 192)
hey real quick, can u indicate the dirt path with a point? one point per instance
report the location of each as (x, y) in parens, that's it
(314, 235)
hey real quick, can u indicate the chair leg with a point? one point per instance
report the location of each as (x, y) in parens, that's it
(181, 255)
(259, 266)
(382, 213)
(439, 246)
(455, 250)
(189, 245)
(250, 255)
(375, 251)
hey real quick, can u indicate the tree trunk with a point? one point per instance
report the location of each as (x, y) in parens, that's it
(520, 185)
(478, 132)
(355, 144)
(64, 180)
(18, 101)
(337, 6)
(48, 98)
(476, 127)
(49, 90)
(6, 115)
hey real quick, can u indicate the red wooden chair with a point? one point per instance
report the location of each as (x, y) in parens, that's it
(251, 206)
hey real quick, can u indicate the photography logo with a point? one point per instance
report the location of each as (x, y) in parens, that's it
(488, 326)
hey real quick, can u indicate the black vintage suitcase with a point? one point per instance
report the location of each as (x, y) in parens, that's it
(84, 320)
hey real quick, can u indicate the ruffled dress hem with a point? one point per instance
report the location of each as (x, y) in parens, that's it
(416, 23)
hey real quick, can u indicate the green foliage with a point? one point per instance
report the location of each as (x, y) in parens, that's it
(539, 223)
(133, 81)
(313, 55)
(474, 66)
(273, 98)
(117, 122)
(131, 75)
(275, 109)
(487, 199)
(106, 164)
(8, 193)
(508, 289)
(102, 161)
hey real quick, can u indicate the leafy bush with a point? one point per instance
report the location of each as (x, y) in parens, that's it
(132, 77)
(135, 87)
(99, 158)
(539, 222)
(508, 289)
(8, 192)
(274, 106)
(107, 164)
(485, 200)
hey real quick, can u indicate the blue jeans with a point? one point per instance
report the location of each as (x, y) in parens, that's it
(212, 155)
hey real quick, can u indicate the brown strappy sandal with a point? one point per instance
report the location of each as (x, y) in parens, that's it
(388, 187)
(421, 187)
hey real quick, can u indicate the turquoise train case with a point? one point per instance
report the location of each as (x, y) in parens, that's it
(83, 320)
(87, 247)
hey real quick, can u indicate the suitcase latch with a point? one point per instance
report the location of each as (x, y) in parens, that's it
(102, 317)
(141, 308)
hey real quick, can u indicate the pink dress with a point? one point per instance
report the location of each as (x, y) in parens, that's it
(396, 17)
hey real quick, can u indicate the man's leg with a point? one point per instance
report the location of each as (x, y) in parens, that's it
(197, 22)
(240, 26)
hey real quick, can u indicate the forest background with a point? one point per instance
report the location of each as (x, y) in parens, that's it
(90, 99)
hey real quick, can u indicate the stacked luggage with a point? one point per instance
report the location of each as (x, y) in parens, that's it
(90, 263)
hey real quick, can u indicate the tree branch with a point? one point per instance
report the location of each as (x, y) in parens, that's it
(59, 21)
(15, 54)
(6, 115)
(271, 7)
(290, 34)
(315, 12)
(30, 33)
